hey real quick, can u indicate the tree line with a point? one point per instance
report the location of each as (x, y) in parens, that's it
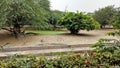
(109, 15)
(15, 14)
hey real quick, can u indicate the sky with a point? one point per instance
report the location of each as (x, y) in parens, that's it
(82, 5)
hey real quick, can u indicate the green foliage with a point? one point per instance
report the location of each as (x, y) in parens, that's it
(104, 15)
(107, 45)
(14, 14)
(45, 4)
(54, 17)
(111, 50)
(88, 60)
(78, 21)
(114, 33)
(13, 11)
(14, 62)
(24, 12)
(116, 19)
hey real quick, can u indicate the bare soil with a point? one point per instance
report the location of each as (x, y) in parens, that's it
(84, 37)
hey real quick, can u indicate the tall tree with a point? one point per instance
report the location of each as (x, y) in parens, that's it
(104, 15)
(14, 14)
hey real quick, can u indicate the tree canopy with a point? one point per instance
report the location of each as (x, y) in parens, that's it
(116, 19)
(14, 14)
(78, 21)
(104, 15)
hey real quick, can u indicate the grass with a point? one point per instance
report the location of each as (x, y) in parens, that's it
(46, 32)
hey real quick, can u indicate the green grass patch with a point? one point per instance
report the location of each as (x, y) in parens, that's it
(44, 32)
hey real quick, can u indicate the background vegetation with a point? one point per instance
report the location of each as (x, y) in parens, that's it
(16, 14)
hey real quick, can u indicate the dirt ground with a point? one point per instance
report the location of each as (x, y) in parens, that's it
(84, 37)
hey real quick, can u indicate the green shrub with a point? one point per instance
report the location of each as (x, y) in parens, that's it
(110, 48)
(88, 60)
(78, 21)
(107, 45)
(114, 33)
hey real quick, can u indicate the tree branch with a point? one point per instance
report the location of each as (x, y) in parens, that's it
(10, 30)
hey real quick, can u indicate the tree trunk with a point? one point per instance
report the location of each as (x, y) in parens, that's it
(74, 31)
(16, 30)
(101, 26)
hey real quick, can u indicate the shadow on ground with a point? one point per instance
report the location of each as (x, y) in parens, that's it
(80, 34)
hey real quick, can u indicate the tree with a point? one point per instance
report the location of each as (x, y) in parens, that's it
(104, 15)
(78, 21)
(14, 14)
(116, 24)
(54, 17)
(116, 19)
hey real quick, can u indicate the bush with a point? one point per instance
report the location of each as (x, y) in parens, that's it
(107, 45)
(78, 21)
(88, 60)
(110, 47)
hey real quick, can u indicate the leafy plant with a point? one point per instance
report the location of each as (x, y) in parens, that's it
(78, 21)
(92, 60)
(107, 45)
(114, 33)
(109, 48)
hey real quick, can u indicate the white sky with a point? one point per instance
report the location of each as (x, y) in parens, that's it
(82, 5)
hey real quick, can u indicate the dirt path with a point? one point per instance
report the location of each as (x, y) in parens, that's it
(83, 38)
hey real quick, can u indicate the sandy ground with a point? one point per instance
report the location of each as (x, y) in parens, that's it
(84, 37)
